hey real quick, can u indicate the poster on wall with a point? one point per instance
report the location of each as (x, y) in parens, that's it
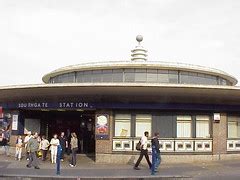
(15, 122)
(102, 126)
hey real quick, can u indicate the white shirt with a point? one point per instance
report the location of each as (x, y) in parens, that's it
(26, 139)
(54, 142)
(44, 144)
(144, 141)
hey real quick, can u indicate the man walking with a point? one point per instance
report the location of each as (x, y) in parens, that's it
(156, 153)
(64, 144)
(32, 148)
(144, 151)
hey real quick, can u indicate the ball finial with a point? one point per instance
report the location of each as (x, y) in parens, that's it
(139, 38)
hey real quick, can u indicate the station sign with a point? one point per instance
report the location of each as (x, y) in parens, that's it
(59, 105)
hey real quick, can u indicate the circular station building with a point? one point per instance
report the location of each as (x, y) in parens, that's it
(109, 105)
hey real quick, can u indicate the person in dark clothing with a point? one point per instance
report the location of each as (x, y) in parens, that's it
(64, 144)
(144, 151)
(156, 145)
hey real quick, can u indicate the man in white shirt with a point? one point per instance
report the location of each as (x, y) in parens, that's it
(144, 152)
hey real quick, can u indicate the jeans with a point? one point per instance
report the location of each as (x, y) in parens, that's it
(158, 161)
(143, 153)
(6, 149)
(74, 156)
(63, 152)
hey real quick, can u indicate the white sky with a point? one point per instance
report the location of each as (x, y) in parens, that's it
(38, 36)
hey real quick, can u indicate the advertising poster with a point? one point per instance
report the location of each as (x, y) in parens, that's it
(15, 122)
(102, 126)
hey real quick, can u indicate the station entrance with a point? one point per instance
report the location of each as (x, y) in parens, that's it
(56, 121)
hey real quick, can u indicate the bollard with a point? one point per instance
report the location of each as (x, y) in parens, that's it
(58, 164)
(154, 156)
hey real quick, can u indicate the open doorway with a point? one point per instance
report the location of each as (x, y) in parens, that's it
(54, 122)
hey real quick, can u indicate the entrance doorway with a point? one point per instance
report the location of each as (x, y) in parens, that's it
(54, 122)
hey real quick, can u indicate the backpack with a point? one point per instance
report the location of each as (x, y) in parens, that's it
(139, 146)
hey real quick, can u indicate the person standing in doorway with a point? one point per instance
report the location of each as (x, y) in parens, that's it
(54, 143)
(64, 144)
(156, 147)
(19, 144)
(5, 140)
(144, 151)
(44, 144)
(26, 139)
(32, 148)
(74, 148)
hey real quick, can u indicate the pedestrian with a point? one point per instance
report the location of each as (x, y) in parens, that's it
(74, 148)
(156, 147)
(26, 139)
(19, 144)
(54, 143)
(5, 140)
(44, 144)
(32, 148)
(64, 144)
(144, 151)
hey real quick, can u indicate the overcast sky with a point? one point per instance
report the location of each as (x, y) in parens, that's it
(38, 36)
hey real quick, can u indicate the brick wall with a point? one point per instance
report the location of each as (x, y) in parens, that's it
(220, 135)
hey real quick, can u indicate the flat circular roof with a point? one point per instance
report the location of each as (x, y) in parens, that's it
(148, 65)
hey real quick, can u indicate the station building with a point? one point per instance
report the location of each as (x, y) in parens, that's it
(109, 105)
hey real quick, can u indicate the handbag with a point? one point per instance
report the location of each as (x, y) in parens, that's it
(139, 146)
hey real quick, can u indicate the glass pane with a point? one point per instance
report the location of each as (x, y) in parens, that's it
(202, 129)
(97, 76)
(183, 129)
(140, 75)
(129, 75)
(123, 125)
(152, 75)
(143, 123)
(107, 75)
(117, 75)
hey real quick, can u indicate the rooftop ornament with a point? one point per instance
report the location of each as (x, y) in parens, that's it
(139, 53)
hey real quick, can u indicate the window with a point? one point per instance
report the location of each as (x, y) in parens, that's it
(184, 126)
(123, 125)
(233, 127)
(152, 75)
(117, 75)
(140, 75)
(107, 75)
(87, 76)
(97, 76)
(143, 123)
(163, 76)
(129, 75)
(202, 126)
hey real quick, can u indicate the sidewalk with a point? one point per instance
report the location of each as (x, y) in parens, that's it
(87, 169)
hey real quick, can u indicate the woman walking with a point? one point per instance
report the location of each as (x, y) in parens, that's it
(44, 147)
(74, 148)
(54, 143)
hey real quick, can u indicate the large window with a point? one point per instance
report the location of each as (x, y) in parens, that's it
(233, 127)
(143, 123)
(123, 125)
(184, 126)
(202, 126)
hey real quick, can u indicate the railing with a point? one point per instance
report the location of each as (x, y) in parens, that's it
(166, 145)
(233, 145)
